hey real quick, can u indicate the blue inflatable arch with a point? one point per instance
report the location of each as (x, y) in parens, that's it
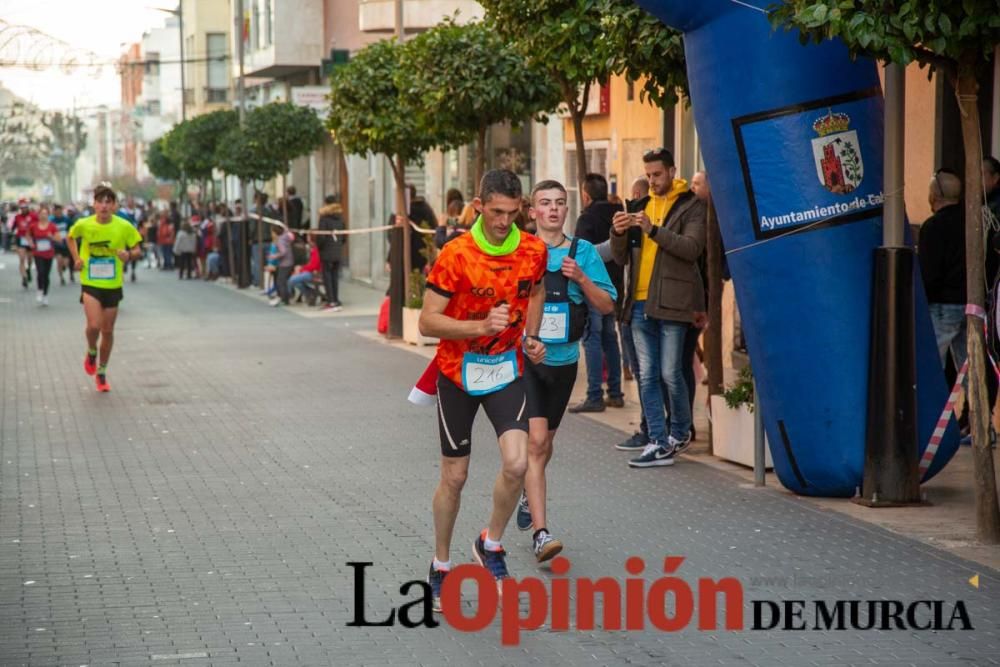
(792, 139)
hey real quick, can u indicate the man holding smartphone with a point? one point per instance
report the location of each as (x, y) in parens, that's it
(660, 240)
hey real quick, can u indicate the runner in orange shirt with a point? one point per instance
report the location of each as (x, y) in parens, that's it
(483, 295)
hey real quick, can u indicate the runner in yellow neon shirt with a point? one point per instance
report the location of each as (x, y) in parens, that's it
(106, 242)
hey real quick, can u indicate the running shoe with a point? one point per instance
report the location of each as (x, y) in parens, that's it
(637, 442)
(494, 561)
(90, 364)
(523, 513)
(545, 546)
(436, 579)
(38, 297)
(103, 385)
(45, 300)
(653, 456)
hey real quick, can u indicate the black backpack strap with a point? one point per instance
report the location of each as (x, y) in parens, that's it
(573, 246)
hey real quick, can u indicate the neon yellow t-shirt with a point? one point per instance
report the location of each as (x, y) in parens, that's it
(99, 244)
(656, 210)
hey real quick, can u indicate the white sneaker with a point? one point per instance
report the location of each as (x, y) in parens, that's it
(45, 300)
(274, 302)
(38, 297)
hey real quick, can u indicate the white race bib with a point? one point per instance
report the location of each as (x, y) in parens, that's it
(555, 323)
(43, 245)
(487, 373)
(102, 268)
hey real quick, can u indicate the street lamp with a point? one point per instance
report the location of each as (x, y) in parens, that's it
(179, 13)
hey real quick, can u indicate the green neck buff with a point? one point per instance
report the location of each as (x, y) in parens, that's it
(507, 247)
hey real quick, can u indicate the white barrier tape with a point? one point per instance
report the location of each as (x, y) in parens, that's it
(325, 232)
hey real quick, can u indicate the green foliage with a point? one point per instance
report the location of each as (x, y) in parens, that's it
(285, 130)
(415, 293)
(369, 112)
(647, 51)
(741, 392)
(274, 135)
(191, 145)
(944, 34)
(581, 41)
(466, 78)
(159, 164)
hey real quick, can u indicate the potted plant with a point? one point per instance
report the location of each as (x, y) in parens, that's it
(411, 311)
(733, 422)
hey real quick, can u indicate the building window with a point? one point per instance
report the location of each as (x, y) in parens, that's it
(218, 79)
(153, 63)
(154, 107)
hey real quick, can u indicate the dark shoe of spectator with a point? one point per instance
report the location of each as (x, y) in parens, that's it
(311, 300)
(637, 442)
(627, 373)
(587, 406)
(614, 402)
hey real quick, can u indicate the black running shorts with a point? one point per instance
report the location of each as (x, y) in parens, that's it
(109, 298)
(457, 410)
(548, 389)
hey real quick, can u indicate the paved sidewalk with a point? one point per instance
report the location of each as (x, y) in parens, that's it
(948, 522)
(204, 511)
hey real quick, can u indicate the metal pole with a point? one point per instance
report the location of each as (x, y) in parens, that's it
(240, 276)
(891, 473)
(893, 221)
(759, 460)
(180, 26)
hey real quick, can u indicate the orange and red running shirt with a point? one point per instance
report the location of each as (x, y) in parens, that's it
(475, 283)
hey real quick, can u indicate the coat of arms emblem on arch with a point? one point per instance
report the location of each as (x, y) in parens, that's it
(837, 153)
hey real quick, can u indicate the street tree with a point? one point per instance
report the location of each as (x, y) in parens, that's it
(191, 144)
(63, 142)
(273, 135)
(955, 38)
(161, 166)
(371, 113)
(580, 42)
(467, 78)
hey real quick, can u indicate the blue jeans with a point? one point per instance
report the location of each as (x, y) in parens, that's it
(949, 330)
(659, 346)
(214, 262)
(600, 343)
(302, 282)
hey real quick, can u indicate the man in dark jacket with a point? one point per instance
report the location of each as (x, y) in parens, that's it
(330, 249)
(295, 208)
(600, 343)
(942, 264)
(661, 239)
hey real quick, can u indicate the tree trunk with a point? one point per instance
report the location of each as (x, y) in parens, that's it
(399, 171)
(480, 156)
(577, 109)
(713, 336)
(987, 509)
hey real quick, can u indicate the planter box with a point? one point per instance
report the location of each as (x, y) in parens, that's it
(732, 434)
(411, 328)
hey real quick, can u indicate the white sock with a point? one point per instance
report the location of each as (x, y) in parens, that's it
(491, 545)
(438, 565)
